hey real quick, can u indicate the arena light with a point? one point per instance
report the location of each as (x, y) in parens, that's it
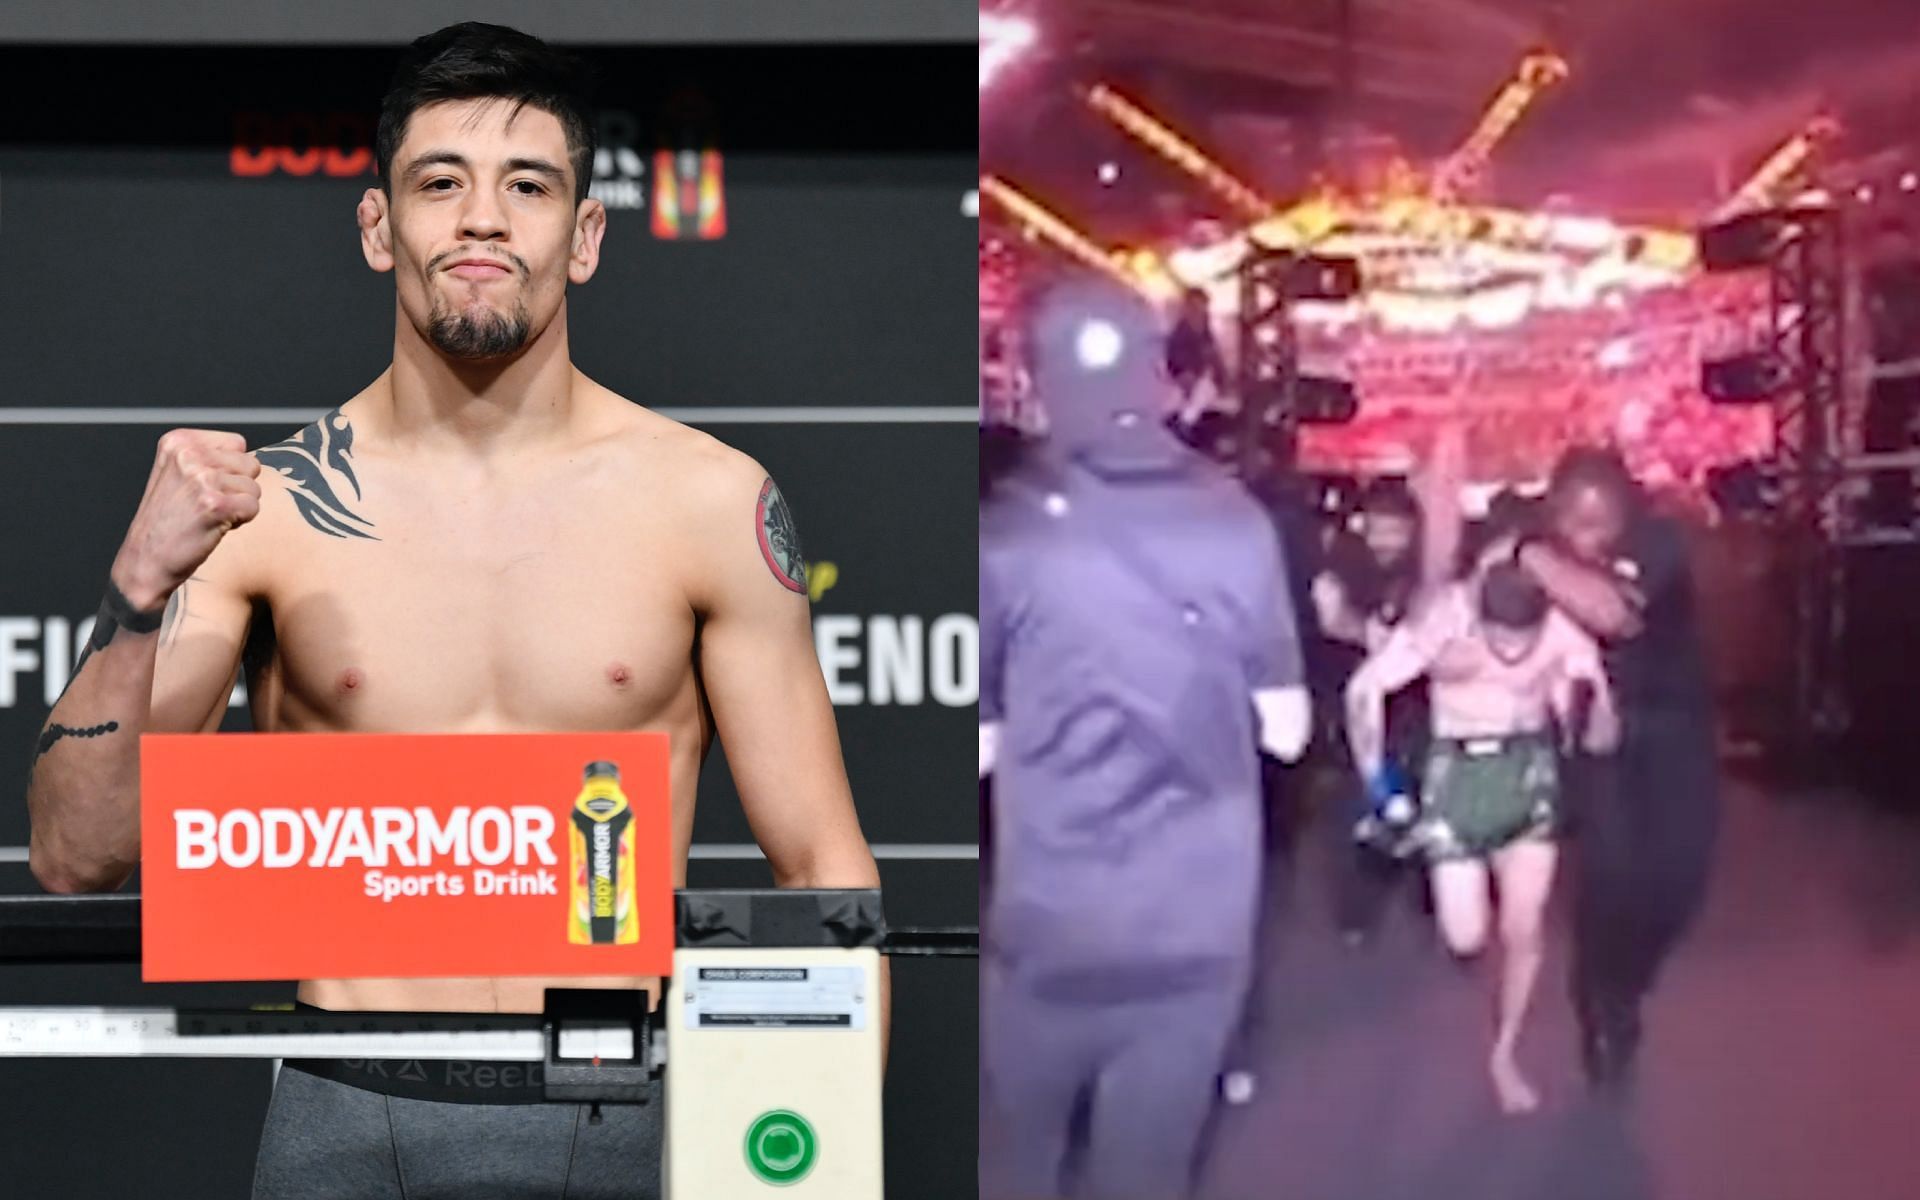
(1321, 277)
(1743, 489)
(1002, 39)
(1098, 345)
(1321, 400)
(1748, 240)
(1142, 275)
(1429, 266)
(1538, 71)
(1426, 212)
(1177, 150)
(1780, 166)
(1751, 378)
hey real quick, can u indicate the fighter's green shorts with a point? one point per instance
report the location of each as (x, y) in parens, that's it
(1482, 794)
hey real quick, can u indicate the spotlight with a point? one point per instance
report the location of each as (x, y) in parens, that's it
(1864, 193)
(1098, 345)
(1002, 39)
(1109, 173)
(1909, 181)
(1316, 278)
(1751, 378)
(1318, 400)
(1743, 489)
(1748, 240)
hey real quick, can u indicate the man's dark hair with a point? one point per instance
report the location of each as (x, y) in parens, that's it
(1508, 512)
(471, 61)
(1597, 467)
(1511, 598)
(1389, 496)
(1378, 590)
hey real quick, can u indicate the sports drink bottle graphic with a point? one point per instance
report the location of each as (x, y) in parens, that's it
(602, 909)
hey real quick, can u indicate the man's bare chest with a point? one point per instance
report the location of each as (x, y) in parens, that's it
(454, 616)
(1468, 661)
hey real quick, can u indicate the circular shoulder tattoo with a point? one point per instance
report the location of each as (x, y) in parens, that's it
(780, 539)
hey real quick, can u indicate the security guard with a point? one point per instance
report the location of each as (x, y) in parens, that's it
(1138, 649)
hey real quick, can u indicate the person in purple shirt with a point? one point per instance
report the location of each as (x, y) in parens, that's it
(1137, 652)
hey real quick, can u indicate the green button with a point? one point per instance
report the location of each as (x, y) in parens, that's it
(781, 1147)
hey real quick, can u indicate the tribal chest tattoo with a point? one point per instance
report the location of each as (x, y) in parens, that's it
(309, 461)
(780, 540)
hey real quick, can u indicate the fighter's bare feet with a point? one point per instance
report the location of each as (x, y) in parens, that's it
(1517, 1096)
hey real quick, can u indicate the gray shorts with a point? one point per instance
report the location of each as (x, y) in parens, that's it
(326, 1140)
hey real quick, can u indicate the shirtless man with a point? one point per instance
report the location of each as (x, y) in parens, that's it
(1503, 667)
(482, 540)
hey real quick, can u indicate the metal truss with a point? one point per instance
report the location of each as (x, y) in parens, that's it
(1268, 357)
(1812, 310)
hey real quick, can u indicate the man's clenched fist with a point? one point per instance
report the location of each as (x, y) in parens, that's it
(204, 483)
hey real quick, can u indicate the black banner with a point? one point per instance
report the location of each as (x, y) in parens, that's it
(382, 22)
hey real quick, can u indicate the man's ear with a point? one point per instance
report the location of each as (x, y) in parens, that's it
(376, 231)
(589, 226)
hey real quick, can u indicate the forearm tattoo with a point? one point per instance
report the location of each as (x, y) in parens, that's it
(780, 539)
(53, 733)
(116, 613)
(175, 614)
(305, 461)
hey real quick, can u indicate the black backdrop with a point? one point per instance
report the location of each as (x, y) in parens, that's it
(176, 234)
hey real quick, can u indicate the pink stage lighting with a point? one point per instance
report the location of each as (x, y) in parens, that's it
(1002, 39)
